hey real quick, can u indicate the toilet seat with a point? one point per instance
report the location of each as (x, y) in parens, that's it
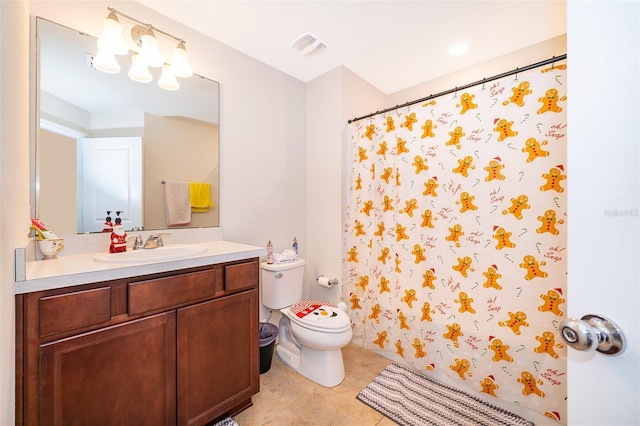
(319, 315)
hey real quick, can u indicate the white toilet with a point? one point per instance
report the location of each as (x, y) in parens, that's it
(311, 332)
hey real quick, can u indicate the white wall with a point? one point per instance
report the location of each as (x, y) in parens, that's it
(331, 100)
(14, 180)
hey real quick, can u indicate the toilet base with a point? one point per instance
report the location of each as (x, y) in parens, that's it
(323, 367)
(315, 355)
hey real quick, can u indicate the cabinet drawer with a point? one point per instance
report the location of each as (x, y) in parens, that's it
(241, 275)
(75, 310)
(170, 292)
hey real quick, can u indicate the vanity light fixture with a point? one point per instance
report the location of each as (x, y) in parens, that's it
(105, 61)
(139, 71)
(146, 52)
(146, 39)
(168, 79)
(111, 39)
(180, 62)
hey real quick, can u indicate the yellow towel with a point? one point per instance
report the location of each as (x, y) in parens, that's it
(200, 196)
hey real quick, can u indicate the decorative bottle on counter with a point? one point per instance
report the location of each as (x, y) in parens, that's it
(118, 239)
(295, 245)
(108, 225)
(269, 252)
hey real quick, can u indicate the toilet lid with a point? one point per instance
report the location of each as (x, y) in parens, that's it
(319, 314)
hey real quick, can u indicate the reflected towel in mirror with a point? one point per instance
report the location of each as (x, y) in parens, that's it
(200, 196)
(177, 203)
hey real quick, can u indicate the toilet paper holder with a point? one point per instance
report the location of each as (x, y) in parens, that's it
(326, 282)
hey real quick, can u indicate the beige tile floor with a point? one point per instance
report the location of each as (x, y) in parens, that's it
(287, 398)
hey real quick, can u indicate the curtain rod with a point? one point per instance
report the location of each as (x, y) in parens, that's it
(551, 60)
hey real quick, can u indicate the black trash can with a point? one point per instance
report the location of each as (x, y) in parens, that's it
(268, 334)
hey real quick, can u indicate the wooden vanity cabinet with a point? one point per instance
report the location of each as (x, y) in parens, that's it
(125, 374)
(213, 371)
(177, 348)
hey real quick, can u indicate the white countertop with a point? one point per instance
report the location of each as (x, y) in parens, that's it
(79, 269)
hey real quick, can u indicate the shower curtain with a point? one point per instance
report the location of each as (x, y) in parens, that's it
(455, 236)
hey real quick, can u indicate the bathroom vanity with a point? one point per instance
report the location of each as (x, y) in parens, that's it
(167, 343)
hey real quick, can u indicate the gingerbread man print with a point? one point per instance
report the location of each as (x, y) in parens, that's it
(530, 384)
(531, 265)
(547, 344)
(494, 170)
(429, 277)
(418, 346)
(552, 301)
(499, 350)
(462, 368)
(466, 102)
(553, 179)
(517, 206)
(466, 202)
(548, 223)
(427, 129)
(492, 277)
(453, 333)
(515, 321)
(465, 303)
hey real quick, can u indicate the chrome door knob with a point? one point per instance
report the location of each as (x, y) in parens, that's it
(592, 332)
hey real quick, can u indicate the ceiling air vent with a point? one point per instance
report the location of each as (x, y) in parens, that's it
(307, 44)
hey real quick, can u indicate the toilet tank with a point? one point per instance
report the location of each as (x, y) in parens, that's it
(281, 283)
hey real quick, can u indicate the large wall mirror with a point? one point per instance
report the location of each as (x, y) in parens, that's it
(105, 143)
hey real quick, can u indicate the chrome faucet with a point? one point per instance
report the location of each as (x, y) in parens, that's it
(138, 242)
(155, 241)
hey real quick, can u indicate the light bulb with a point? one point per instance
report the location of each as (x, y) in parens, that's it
(111, 39)
(149, 52)
(180, 62)
(105, 61)
(139, 71)
(168, 79)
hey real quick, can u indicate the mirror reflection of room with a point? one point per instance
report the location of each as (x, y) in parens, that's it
(107, 143)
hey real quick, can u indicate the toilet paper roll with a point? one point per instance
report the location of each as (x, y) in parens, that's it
(325, 282)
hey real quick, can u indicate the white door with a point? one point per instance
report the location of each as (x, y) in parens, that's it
(111, 182)
(603, 201)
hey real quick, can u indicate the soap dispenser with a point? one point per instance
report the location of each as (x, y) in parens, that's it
(118, 236)
(108, 225)
(269, 252)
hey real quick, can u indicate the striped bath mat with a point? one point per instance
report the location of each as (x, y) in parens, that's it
(411, 399)
(226, 422)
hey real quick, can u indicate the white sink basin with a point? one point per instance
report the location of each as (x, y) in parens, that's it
(168, 252)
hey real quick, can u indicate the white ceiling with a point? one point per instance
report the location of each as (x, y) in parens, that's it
(393, 45)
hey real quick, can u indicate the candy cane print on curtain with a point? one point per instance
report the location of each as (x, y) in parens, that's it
(455, 236)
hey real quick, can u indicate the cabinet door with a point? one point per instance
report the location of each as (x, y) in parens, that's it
(218, 365)
(121, 375)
